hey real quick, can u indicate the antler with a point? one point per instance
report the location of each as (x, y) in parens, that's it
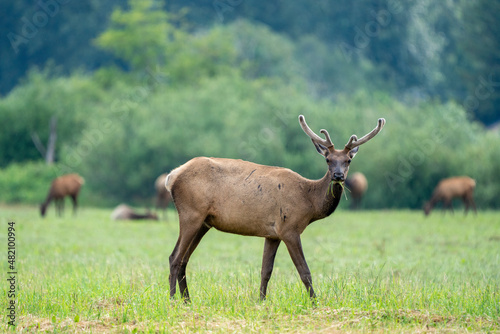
(354, 141)
(313, 136)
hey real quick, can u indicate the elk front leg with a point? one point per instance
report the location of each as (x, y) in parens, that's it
(294, 247)
(60, 207)
(270, 249)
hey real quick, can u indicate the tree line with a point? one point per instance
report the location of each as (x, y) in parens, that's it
(448, 50)
(176, 85)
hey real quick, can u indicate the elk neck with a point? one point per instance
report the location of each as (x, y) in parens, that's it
(326, 198)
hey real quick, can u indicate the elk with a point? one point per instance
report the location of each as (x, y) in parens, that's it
(357, 185)
(125, 212)
(62, 186)
(450, 188)
(163, 197)
(249, 199)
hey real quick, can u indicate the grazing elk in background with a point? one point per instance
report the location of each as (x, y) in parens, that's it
(125, 212)
(62, 186)
(245, 198)
(453, 187)
(357, 185)
(163, 197)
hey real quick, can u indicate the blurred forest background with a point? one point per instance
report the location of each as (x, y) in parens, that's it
(136, 88)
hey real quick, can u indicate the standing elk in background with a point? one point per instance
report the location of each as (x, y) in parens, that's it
(163, 197)
(245, 198)
(62, 186)
(125, 212)
(453, 187)
(357, 184)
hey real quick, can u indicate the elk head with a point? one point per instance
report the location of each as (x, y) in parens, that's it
(338, 160)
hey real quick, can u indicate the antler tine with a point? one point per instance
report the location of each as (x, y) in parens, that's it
(354, 141)
(353, 138)
(327, 136)
(313, 136)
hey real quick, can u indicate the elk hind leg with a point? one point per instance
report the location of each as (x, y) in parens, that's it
(75, 203)
(189, 229)
(181, 277)
(469, 201)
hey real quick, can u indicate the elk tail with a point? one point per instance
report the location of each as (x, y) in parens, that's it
(81, 180)
(171, 177)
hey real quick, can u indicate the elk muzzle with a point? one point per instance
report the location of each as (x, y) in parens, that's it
(338, 176)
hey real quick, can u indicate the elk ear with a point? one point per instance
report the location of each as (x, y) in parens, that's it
(320, 148)
(352, 153)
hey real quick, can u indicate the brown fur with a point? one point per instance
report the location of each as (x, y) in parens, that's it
(125, 212)
(245, 198)
(65, 185)
(357, 185)
(163, 197)
(454, 187)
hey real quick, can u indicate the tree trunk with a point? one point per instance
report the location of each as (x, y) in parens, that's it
(49, 153)
(51, 145)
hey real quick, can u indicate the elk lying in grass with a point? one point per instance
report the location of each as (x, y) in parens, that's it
(453, 187)
(163, 197)
(245, 198)
(357, 185)
(125, 212)
(62, 186)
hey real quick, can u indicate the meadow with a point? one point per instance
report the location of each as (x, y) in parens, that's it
(373, 271)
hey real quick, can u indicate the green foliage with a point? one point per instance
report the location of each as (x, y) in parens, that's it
(419, 146)
(329, 73)
(206, 54)
(444, 49)
(26, 183)
(261, 52)
(138, 131)
(235, 91)
(141, 36)
(481, 47)
(28, 109)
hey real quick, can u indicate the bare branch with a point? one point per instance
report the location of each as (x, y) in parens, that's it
(38, 144)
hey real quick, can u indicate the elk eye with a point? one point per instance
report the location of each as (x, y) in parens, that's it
(327, 160)
(349, 161)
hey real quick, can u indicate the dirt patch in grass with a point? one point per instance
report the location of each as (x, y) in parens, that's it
(320, 320)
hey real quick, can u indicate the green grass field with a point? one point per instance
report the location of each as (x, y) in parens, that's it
(382, 271)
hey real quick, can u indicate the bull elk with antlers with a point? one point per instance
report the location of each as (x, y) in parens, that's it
(245, 198)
